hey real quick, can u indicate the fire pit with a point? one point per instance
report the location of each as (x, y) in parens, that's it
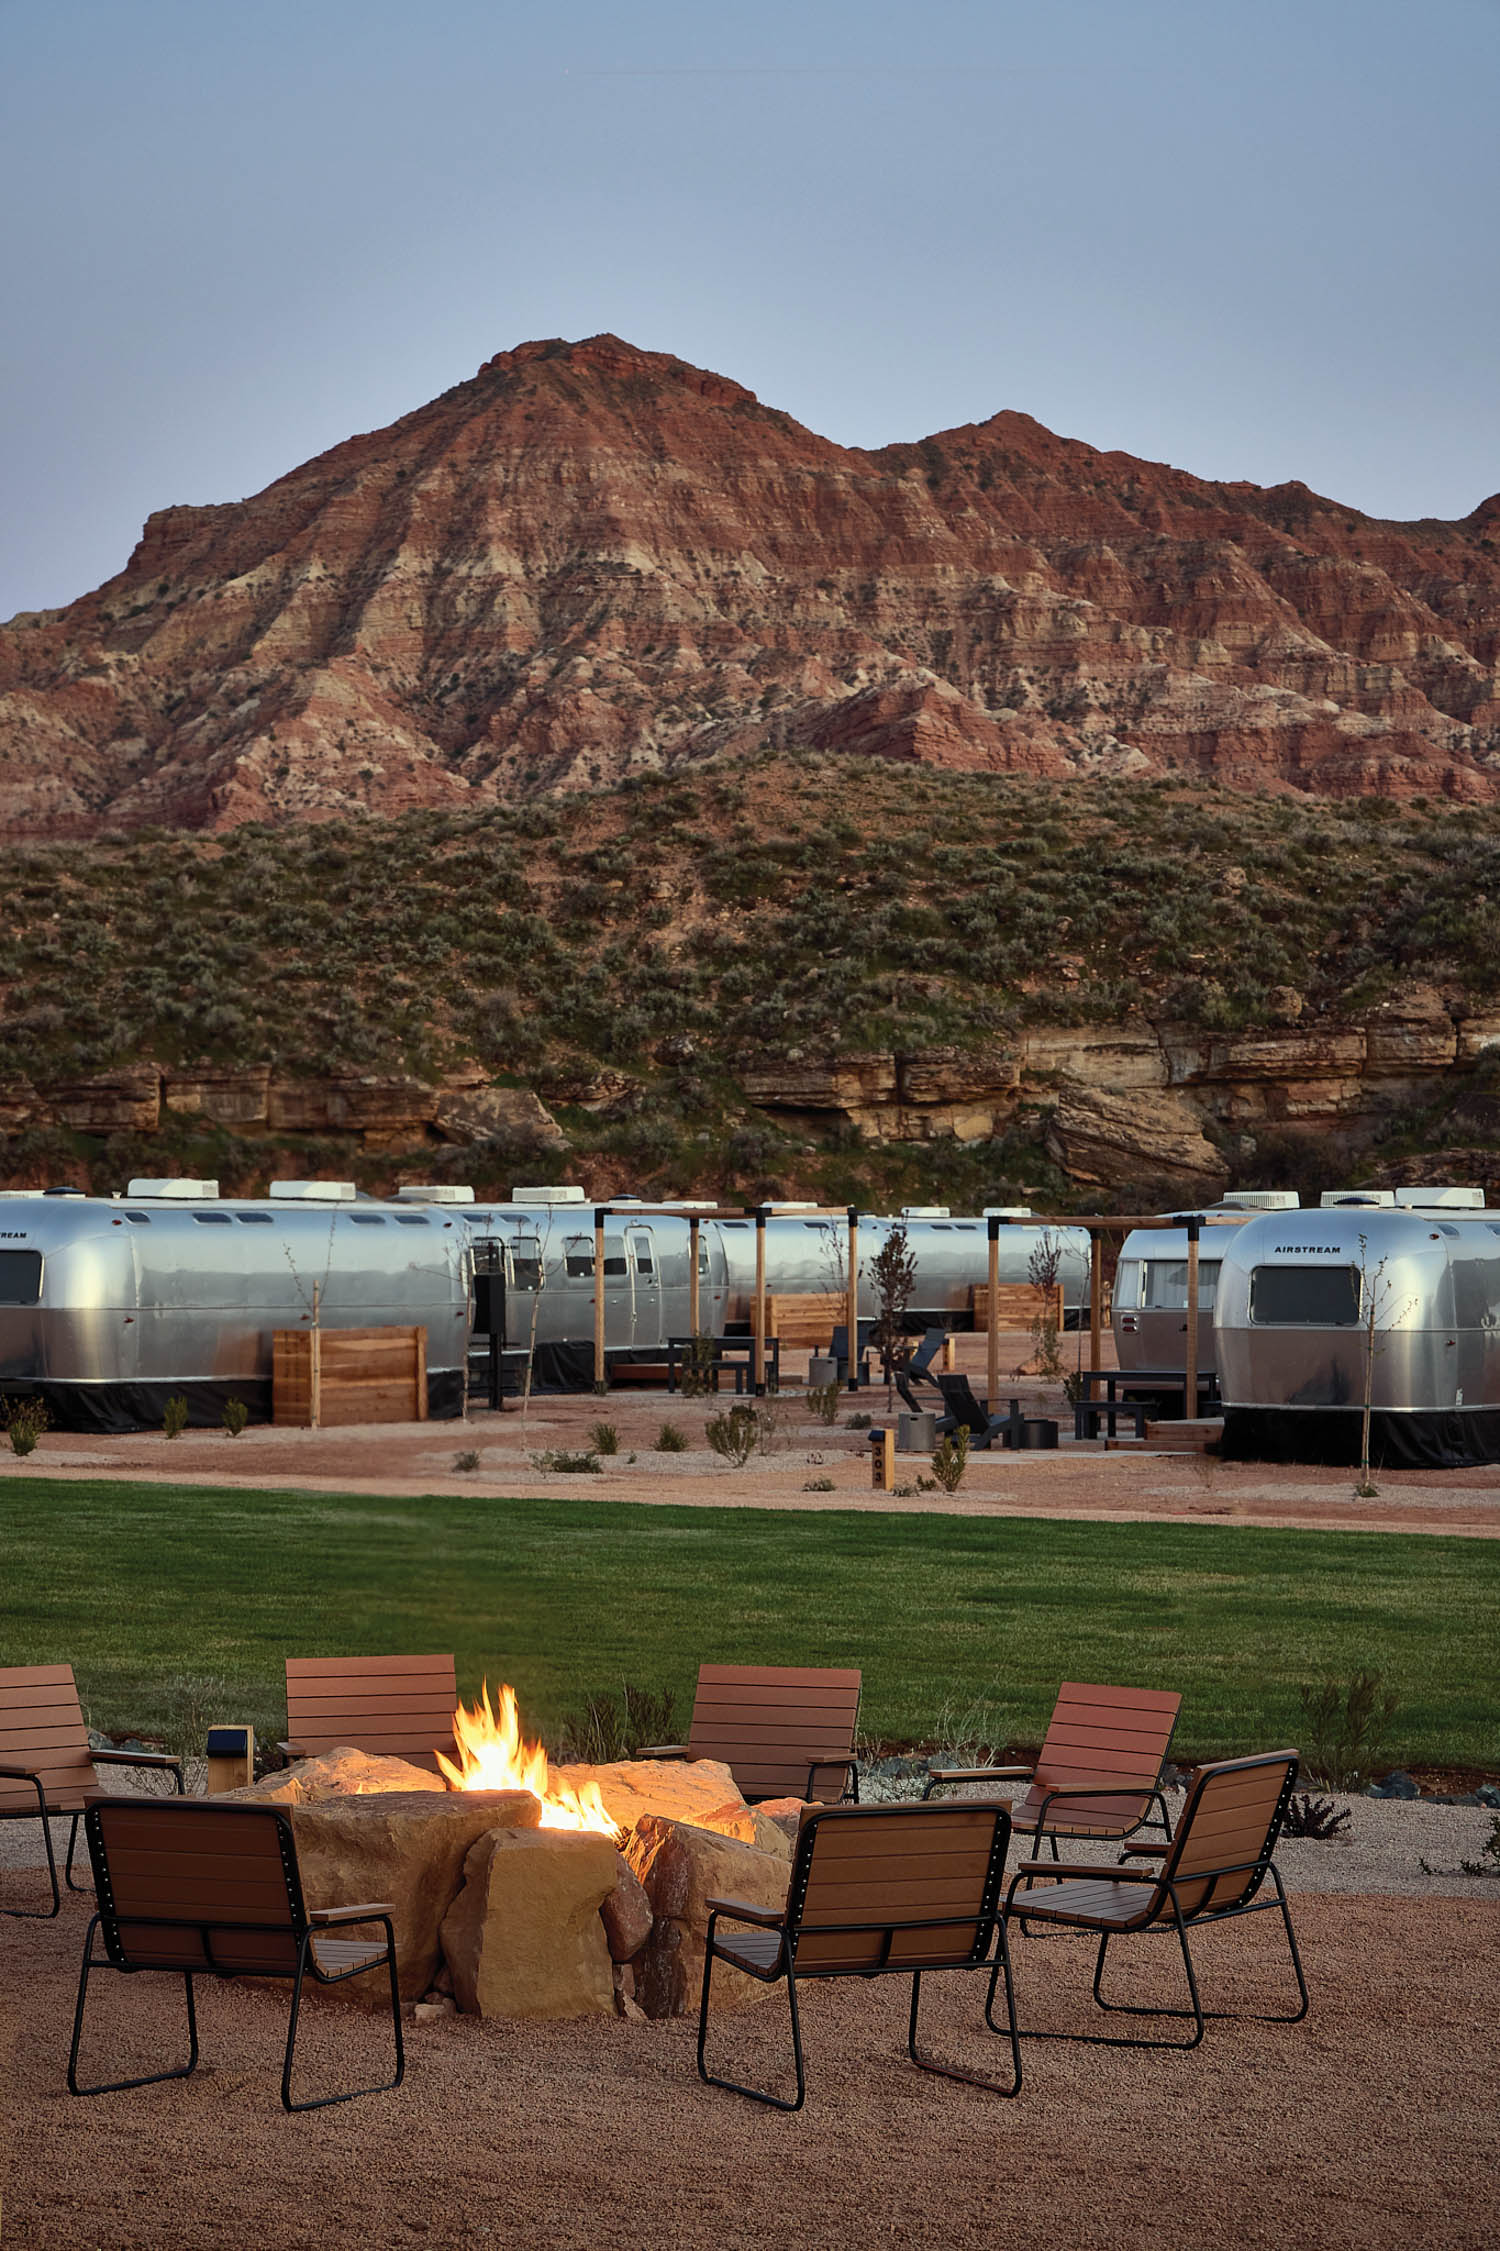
(530, 1889)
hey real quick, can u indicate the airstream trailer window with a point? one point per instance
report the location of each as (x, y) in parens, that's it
(1128, 1284)
(408, 1219)
(1305, 1297)
(579, 1255)
(1166, 1284)
(614, 1256)
(368, 1218)
(1476, 1293)
(526, 1262)
(253, 1218)
(141, 1218)
(20, 1277)
(213, 1219)
(641, 1245)
(702, 1256)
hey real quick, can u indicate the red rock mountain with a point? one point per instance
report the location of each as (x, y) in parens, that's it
(591, 559)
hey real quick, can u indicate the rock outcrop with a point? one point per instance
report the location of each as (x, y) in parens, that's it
(590, 560)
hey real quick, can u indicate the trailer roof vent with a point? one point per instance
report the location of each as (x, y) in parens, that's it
(1261, 1199)
(783, 1206)
(1373, 1199)
(1440, 1199)
(184, 1191)
(440, 1192)
(1007, 1211)
(313, 1191)
(568, 1195)
(687, 1203)
(925, 1211)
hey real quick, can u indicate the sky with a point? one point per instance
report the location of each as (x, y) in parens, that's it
(1253, 240)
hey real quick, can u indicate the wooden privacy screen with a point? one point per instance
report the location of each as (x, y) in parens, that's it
(322, 1377)
(1017, 1304)
(804, 1317)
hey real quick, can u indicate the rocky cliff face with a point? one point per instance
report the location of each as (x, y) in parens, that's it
(592, 561)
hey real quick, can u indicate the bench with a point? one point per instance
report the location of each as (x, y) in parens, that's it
(1088, 1413)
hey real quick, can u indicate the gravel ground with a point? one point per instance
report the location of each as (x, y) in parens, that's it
(1365, 2129)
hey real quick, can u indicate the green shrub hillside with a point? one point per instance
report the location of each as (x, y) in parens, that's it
(672, 931)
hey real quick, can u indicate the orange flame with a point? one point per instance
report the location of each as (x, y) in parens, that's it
(493, 1756)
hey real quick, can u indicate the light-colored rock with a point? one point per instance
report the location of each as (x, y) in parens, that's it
(682, 1868)
(846, 1081)
(1303, 1053)
(465, 1114)
(626, 1914)
(1113, 1140)
(434, 2009)
(407, 1847)
(123, 1101)
(961, 1076)
(1477, 1035)
(341, 1773)
(682, 1789)
(225, 1097)
(524, 1937)
(1123, 1055)
(353, 1102)
(753, 1826)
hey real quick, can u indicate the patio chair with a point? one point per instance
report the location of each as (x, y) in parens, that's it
(783, 1731)
(206, 1890)
(46, 1766)
(963, 1411)
(394, 1707)
(877, 1890)
(918, 1369)
(1098, 1773)
(1209, 1874)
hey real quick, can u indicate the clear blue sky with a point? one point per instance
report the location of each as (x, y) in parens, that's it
(1256, 240)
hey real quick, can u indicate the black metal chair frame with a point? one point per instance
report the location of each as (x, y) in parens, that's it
(990, 1927)
(303, 1925)
(160, 1762)
(1182, 1921)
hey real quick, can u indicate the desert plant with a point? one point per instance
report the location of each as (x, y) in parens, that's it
(696, 1372)
(1489, 1865)
(893, 1270)
(770, 1424)
(611, 1726)
(25, 1420)
(823, 1402)
(563, 1462)
(1315, 1818)
(1345, 1725)
(467, 1460)
(175, 1419)
(732, 1436)
(236, 1415)
(604, 1438)
(818, 1485)
(856, 1422)
(671, 1439)
(950, 1459)
(1042, 1270)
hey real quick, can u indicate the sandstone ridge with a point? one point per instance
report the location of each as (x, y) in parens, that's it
(591, 561)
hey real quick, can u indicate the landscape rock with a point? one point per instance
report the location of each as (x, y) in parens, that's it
(524, 1937)
(626, 1914)
(681, 1789)
(407, 1847)
(756, 1825)
(341, 1773)
(682, 1868)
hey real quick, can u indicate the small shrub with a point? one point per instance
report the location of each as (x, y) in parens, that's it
(818, 1485)
(236, 1415)
(671, 1439)
(612, 1727)
(25, 1420)
(856, 1422)
(950, 1459)
(696, 1372)
(559, 1461)
(1314, 1818)
(1345, 1727)
(604, 1438)
(823, 1402)
(732, 1436)
(467, 1460)
(1490, 1864)
(175, 1421)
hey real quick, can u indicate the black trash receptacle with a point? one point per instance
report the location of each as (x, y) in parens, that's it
(1038, 1435)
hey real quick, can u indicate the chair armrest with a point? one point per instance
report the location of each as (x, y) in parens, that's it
(1096, 1871)
(1158, 1850)
(741, 1911)
(663, 1751)
(1097, 1790)
(292, 1750)
(366, 1913)
(979, 1773)
(19, 1774)
(160, 1761)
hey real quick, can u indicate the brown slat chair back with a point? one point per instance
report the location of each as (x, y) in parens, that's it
(42, 1729)
(1232, 1819)
(396, 1707)
(770, 1723)
(939, 1866)
(176, 1880)
(1117, 1737)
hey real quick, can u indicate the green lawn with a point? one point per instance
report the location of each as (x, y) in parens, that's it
(146, 1588)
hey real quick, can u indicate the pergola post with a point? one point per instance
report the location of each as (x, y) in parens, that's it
(993, 1377)
(1190, 1357)
(1096, 1294)
(851, 1314)
(601, 1376)
(693, 1224)
(758, 1308)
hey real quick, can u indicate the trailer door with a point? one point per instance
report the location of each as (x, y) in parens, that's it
(645, 1282)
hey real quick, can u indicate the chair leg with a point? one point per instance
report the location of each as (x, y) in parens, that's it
(152, 2078)
(1197, 2014)
(1225, 2016)
(72, 1848)
(380, 2087)
(43, 1914)
(732, 2086)
(929, 2062)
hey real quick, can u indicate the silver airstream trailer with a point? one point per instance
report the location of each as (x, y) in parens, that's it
(109, 1306)
(1311, 1304)
(1149, 1301)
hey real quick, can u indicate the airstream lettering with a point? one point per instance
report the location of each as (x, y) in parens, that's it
(1401, 1297)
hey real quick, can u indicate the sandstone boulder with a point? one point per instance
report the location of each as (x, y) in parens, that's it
(342, 1773)
(466, 1113)
(682, 1868)
(407, 1847)
(626, 1914)
(123, 1101)
(682, 1789)
(231, 1098)
(1112, 1140)
(756, 1825)
(524, 1937)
